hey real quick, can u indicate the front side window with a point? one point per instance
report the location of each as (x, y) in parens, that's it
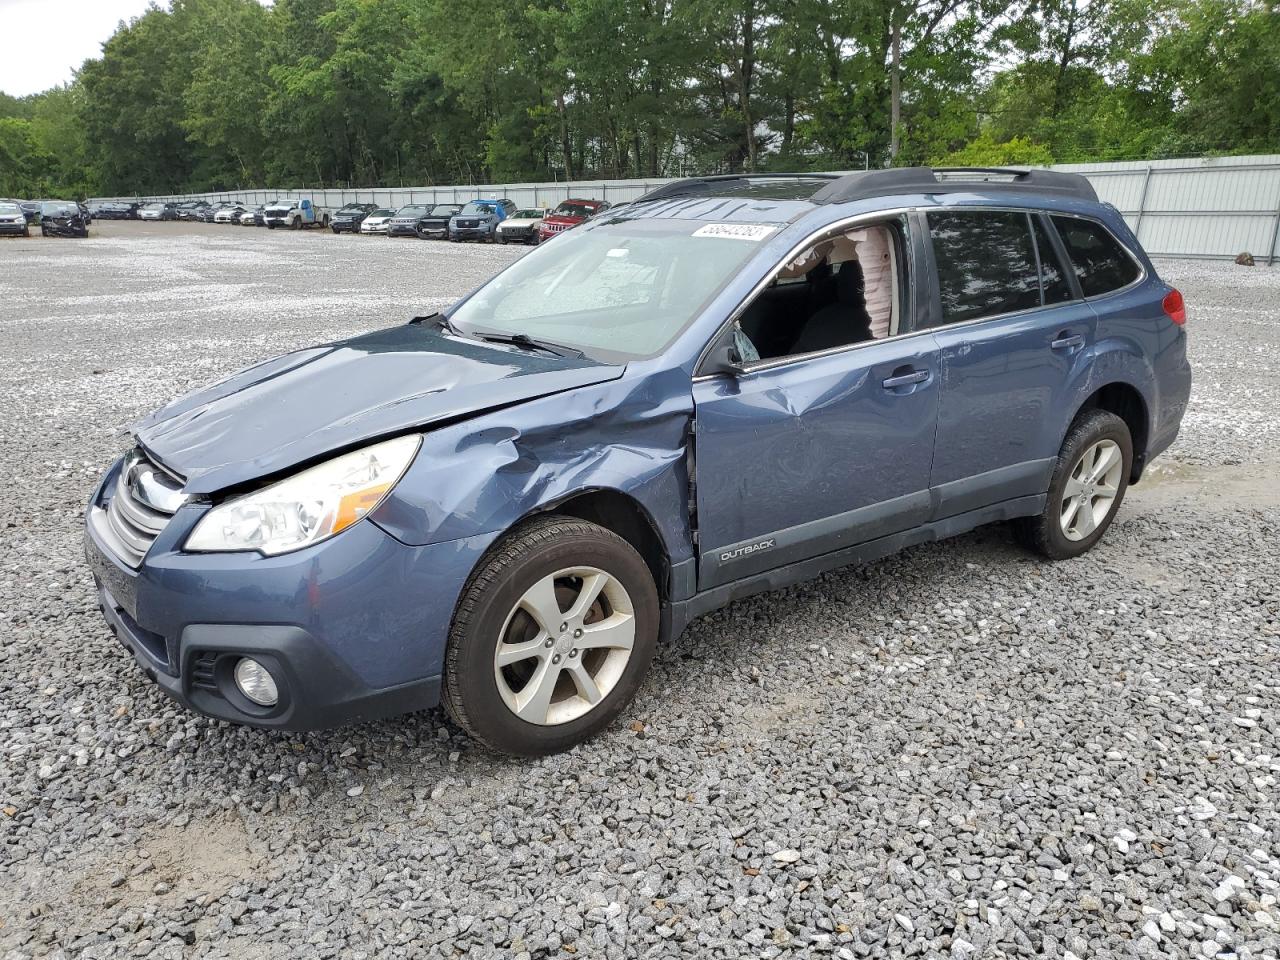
(986, 263)
(844, 289)
(614, 291)
(1100, 263)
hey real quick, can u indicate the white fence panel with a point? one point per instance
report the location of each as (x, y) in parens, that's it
(1213, 207)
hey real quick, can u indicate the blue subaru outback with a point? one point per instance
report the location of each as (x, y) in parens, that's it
(727, 386)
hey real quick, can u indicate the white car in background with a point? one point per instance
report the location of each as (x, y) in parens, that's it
(521, 226)
(378, 221)
(228, 214)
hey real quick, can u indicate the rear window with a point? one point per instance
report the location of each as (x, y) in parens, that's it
(986, 263)
(1100, 263)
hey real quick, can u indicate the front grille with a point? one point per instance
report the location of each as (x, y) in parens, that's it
(553, 227)
(468, 224)
(516, 231)
(140, 506)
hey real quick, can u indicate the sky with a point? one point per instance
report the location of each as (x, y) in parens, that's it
(45, 40)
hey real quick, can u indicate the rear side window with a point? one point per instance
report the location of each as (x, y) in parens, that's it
(986, 263)
(1056, 287)
(1100, 263)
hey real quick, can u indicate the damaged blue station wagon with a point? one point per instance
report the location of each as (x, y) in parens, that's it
(728, 385)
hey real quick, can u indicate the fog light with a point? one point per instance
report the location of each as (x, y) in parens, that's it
(256, 683)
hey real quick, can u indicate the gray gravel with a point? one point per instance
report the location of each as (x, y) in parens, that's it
(961, 751)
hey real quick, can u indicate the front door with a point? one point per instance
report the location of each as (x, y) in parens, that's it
(817, 453)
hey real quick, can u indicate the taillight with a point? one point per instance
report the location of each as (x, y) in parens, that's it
(1174, 308)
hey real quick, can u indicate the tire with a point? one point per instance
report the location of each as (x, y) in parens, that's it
(1064, 530)
(481, 695)
(26, 231)
(297, 224)
(335, 230)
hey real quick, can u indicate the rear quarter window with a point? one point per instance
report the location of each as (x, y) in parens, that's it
(1100, 263)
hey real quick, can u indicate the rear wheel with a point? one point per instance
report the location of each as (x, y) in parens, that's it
(551, 638)
(297, 223)
(1087, 488)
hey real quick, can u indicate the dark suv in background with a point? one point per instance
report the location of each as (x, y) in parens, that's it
(349, 218)
(434, 225)
(734, 384)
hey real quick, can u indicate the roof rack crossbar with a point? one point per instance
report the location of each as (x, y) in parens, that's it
(697, 186)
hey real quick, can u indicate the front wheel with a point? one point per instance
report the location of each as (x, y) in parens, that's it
(1087, 488)
(552, 637)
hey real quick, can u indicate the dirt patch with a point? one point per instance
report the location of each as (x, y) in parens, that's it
(1251, 486)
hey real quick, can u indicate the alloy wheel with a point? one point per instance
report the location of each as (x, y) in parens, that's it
(564, 646)
(1091, 489)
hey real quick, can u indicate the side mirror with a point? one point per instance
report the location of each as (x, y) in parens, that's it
(724, 358)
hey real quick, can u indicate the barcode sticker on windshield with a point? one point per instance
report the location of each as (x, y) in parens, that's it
(736, 231)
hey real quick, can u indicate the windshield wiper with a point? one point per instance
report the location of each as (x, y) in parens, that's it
(526, 342)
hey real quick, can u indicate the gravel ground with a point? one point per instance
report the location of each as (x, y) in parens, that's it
(961, 751)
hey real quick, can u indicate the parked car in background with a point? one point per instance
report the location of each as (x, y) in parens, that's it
(479, 219)
(31, 210)
(13, 221)
(188, 208)
(405, 222)
(568, 215)
(872, 361)
(295, 214)
(435, 224)
(62, 218)
(376, 222)
(348, 218)
(114, 210)
(158, 211)
(229, 213)
(245, 219)
(521, 226)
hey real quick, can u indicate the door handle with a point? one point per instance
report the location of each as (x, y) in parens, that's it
(907, 379)
(1068, 343)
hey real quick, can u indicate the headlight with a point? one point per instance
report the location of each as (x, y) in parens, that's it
(308, 507)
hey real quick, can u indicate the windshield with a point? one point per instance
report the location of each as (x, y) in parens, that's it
(413, 210)
(154, 206)
(444, 209)
(10, 208)
(569, 209)
(383, 212)
(352, 208)
(622, 290)
(477, 209)
(526, 215)
(54, 207)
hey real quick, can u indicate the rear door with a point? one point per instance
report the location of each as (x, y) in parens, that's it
(1014, 336)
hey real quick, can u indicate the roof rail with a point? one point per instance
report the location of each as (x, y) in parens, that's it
(702, 186)
(882, 183)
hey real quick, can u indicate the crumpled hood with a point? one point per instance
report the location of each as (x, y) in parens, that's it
(301, 406)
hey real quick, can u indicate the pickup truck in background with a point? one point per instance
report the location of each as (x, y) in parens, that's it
(295, 214)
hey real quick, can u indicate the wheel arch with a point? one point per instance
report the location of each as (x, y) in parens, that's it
(1127, 402)
(619, 513)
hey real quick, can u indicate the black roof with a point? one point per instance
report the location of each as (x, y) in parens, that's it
(823, 188)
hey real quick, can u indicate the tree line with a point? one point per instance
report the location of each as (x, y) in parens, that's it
(220, 94)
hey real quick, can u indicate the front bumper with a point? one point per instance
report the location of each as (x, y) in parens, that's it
(402, 230)
(339, 226)
(66, 229)
(470, 233)
(17, 229)
(352, 629)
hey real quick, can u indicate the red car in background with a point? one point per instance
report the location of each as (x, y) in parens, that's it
(569, 214)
